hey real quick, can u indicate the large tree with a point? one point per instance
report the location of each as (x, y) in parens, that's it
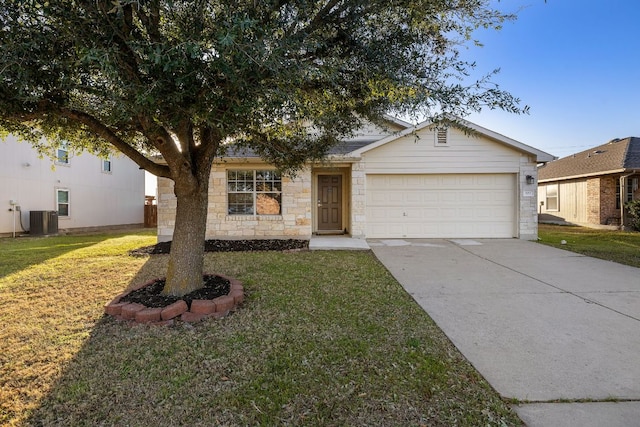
(287, 78)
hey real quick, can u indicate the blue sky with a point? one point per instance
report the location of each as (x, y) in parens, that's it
(575, 63)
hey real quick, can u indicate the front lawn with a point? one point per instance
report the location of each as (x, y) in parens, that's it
(324, 338)
(618, 246)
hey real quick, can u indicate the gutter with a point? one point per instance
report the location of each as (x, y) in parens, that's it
(586, 175)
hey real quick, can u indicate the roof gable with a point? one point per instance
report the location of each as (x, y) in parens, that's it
(541, 156)
(615, 156)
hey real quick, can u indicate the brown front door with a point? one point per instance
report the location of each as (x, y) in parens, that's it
(329, 202)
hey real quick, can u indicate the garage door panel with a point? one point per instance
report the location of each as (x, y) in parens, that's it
(436, 206)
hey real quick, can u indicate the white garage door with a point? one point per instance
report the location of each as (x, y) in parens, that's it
(441, 206)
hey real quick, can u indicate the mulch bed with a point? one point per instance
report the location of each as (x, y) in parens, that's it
(213, 286)
(150, 296)
(252, 245)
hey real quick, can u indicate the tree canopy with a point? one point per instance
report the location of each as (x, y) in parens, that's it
(184, 78)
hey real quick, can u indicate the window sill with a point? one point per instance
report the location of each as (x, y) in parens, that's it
(254, 218)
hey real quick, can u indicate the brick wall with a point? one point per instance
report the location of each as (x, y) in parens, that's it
(608, 199)
(593, 200)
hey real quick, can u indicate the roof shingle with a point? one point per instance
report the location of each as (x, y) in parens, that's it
(615, 155)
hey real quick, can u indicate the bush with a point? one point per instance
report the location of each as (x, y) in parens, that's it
(633, 208)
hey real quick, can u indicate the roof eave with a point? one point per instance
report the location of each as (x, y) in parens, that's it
(585, 175)
(541, 156)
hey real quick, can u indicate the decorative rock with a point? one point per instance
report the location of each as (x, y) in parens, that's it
(224, 303)
(128, 312)
(174, 310)
(149, 315)
(203, 306)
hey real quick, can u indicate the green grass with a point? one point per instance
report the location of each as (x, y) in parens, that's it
(323, 338)
(617, 246)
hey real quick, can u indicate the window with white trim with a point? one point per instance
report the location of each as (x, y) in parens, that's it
(106, 165)
(254, 192)
(62, 202)
(441, 137)
(552, 197)
(62, 154)
(631, 188)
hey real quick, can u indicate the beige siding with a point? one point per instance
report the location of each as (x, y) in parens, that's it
(463, 154)
(371, 132)
(572, 202)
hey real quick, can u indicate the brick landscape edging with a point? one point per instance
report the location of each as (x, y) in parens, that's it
(200, 309)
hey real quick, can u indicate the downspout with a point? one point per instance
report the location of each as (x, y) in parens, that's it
(623, 194)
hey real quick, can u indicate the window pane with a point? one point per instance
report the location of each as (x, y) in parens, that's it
(552, 204)
(240, 204)
(552, 191)
(63, 156)
(268, 203)
(63, 196)
(63, 209)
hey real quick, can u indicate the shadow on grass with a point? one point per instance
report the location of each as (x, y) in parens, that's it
(49, 310)
(310, 346)
(23, 252)
(131, 374)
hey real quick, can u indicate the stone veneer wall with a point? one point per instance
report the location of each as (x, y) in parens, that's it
(528, 215)
(294, 221)
(358, 200)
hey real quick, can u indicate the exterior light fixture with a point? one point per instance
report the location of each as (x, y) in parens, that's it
(530, 179)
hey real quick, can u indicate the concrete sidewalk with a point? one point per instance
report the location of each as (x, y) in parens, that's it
(542, 325)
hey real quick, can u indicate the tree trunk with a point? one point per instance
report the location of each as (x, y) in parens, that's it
(184, 272)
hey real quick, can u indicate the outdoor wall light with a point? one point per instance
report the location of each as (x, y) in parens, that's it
(530, 179)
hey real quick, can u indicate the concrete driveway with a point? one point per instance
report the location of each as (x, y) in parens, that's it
(541, 324)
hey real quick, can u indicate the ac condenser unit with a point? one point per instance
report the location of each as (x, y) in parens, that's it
(43, 222)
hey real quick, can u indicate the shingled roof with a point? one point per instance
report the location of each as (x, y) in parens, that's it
(342, 148)
(615, 156)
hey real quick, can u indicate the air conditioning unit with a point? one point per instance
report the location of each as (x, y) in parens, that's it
(43, 222)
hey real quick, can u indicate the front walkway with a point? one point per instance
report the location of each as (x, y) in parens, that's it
(323, 243)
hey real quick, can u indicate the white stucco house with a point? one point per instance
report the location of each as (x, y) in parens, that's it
(402, 182)
(83, 191)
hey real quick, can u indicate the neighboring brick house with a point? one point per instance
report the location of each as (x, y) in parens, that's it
(590, 188)
(401, 182)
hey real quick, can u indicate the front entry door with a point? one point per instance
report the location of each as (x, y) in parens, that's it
(329, 202)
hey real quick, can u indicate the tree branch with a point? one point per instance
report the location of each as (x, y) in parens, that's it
(107, 134)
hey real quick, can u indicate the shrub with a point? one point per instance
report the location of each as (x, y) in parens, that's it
(633, 208)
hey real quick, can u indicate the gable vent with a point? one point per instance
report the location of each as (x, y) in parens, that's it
(442, 136)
